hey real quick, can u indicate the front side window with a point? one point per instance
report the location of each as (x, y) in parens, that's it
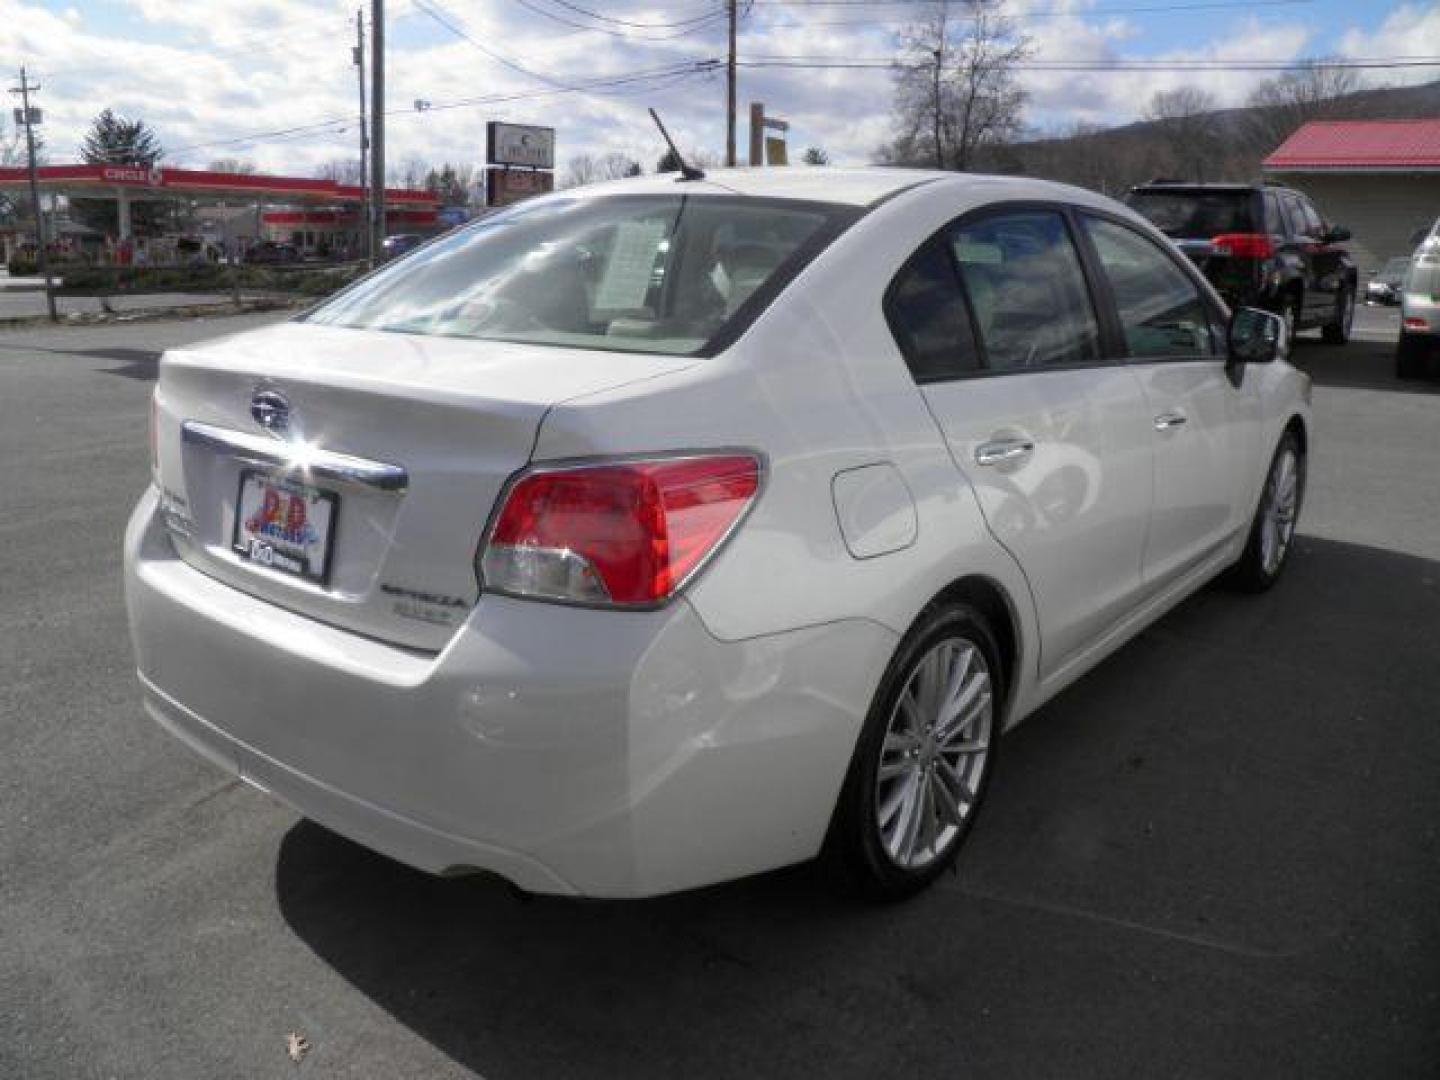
(1314, 226)
(633, 273)
(927, 314)
(1023, 277)
(1160, 308)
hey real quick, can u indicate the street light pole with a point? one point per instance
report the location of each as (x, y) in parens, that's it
(42, 259)
(730, 11)
(364, 139)
(377, 118)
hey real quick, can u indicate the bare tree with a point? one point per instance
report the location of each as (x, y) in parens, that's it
(1188, 128)
(410, 173)
(237, 166)
(340, 170)
(1317, 91)
(815, 155)
(956, 90)
(588, 169)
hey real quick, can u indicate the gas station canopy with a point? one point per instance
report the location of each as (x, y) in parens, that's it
(129, 183)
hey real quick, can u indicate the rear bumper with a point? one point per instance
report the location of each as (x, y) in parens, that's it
(568, 750)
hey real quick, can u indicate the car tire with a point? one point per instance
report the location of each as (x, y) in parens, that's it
(1338, 332)
(914, 788)
(1409, 357)
(1291, 310)
(1272, 531)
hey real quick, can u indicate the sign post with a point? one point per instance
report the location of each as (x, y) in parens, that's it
(519, 161)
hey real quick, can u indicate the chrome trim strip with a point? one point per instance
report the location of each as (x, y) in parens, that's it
(269, 452)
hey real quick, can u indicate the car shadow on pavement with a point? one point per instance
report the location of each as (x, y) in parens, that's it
(1359, 365)
(1218, 847)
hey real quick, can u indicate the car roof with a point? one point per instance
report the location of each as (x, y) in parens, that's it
(861, 186)
(1181, 186)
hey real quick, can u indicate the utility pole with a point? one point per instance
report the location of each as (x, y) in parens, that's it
(377, 138)
(730, 11)
(31, 119)
(359, 55)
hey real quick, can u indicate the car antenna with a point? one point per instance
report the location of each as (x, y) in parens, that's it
(687, 171)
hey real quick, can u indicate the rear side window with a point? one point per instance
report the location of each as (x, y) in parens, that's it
(1160, 308)
(928, 318)
(1274, 222)
(1196, 215)
(1423, 277)
(1295, 216)
(633, 273)
(1023, 277)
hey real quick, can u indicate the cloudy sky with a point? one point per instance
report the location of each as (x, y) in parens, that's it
(271, 81)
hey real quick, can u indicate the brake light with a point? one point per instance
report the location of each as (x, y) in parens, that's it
(624, 533)
(1412, 323)
(1243, 245)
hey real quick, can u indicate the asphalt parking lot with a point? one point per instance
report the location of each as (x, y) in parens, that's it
(1218, 855)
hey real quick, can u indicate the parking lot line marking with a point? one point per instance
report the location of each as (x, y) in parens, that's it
(1069, 911)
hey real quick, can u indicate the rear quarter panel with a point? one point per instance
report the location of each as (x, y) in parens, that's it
(817, 385)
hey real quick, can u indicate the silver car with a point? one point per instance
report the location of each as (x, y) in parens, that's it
(662, 532)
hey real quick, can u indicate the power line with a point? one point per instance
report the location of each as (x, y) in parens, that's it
(444, 20)
(627, 22)
(704, 23)
(1019, 16)
(1116, 64)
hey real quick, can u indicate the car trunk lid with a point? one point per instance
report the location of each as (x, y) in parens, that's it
(367, 509)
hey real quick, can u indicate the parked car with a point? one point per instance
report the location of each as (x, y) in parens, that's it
(397, 245)
(1419, 344)
(1384, 286)
(272, 252)
(517, 556)
(1263, 246)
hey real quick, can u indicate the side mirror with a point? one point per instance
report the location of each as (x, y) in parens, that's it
(1256, 337)
(1336, 234)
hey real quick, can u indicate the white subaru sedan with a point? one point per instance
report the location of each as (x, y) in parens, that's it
(668, 531)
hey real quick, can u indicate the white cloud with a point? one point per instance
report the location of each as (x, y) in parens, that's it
(1409, 30)
(204, 74)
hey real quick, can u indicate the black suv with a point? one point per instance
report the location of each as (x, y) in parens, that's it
(1261, 246)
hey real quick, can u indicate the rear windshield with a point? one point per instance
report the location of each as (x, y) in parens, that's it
(1423, 277)
(1195, 214)
(1394, 269)
(675, 274)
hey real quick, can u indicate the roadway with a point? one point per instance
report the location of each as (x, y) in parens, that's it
(1218, 855)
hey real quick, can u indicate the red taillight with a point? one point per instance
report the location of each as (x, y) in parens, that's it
(624, 533)
(1413, 323)
(1243, 245)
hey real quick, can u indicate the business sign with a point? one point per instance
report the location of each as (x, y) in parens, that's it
(133, 174)
(517, 144)
(506, 186)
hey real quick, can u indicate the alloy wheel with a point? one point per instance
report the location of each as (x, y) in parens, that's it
(935, 753)
(1282, 498)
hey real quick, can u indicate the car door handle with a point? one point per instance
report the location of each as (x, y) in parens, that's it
(1168, 420)
(1003, 450)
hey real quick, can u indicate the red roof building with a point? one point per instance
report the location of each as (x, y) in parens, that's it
(1379, 178)
(1364, 145)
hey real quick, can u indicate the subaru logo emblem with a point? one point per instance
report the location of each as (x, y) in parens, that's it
(271, 410)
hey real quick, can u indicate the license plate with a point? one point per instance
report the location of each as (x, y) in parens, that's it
(285, 525)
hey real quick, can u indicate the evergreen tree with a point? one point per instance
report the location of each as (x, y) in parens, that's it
(113, 140)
